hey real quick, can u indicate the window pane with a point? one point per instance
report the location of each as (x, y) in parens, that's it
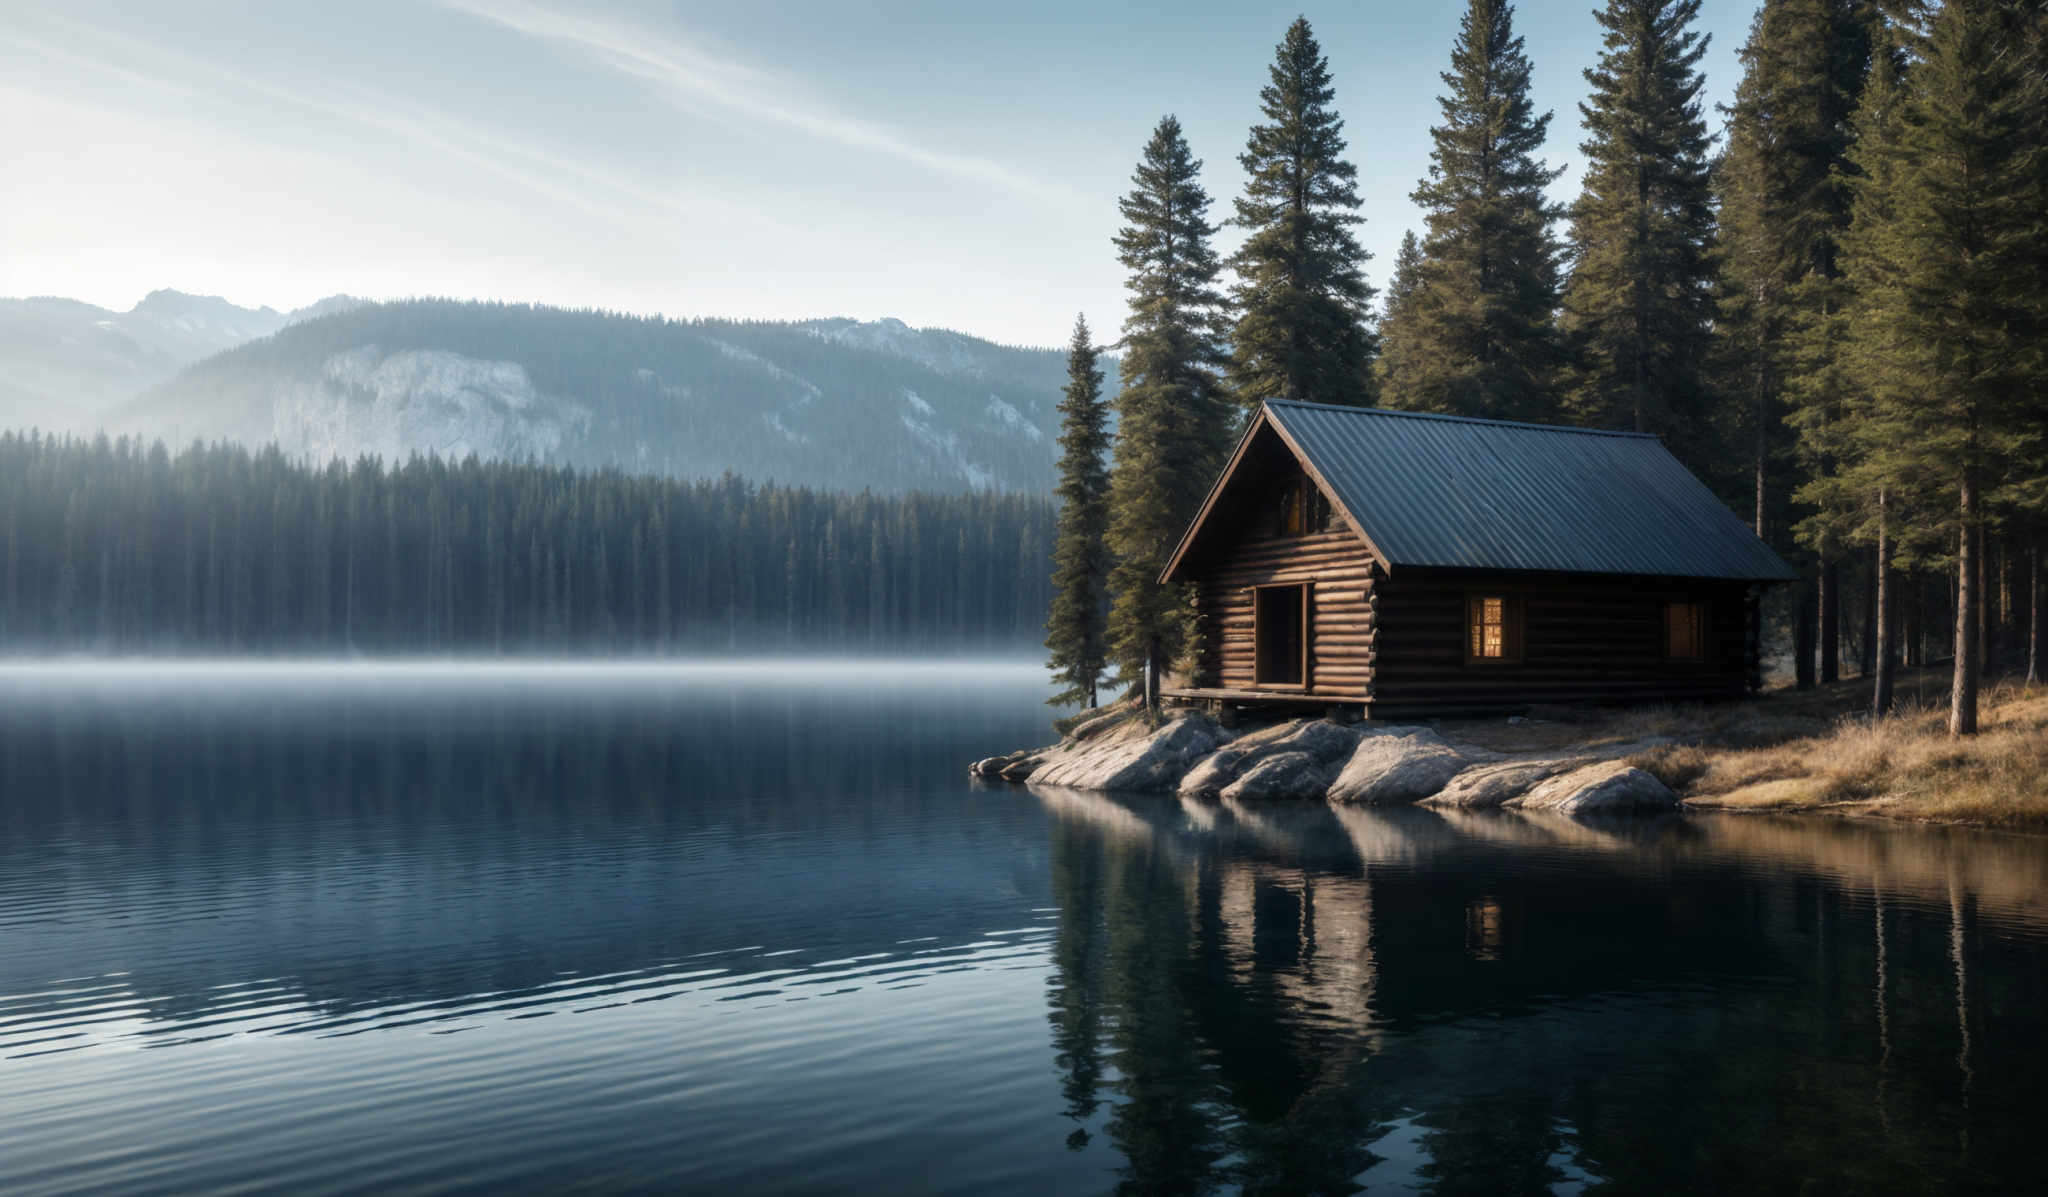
(1489, 628)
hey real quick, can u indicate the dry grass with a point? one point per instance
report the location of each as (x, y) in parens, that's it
(1818, 750)
(1906, 767)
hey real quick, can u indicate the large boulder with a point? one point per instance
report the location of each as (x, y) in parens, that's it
(1133, 756)
(1321, 741)
(1494, 783)
(1603, 786)
(1280, 775)
(1396, 765)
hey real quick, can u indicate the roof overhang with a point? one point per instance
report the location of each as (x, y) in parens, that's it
(1261, 420)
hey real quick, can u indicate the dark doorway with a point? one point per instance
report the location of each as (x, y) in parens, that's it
(1279, 635)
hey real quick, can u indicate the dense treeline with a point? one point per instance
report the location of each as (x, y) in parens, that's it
(121, 547)
(1837, 316)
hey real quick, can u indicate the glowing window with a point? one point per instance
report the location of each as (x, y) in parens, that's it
(1494, 628)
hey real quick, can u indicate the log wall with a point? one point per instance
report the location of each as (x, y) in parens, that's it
(1586, 639)
(1340, 629)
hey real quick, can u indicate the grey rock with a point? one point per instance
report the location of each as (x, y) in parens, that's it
(1603, 786)
(1494, 784)
(1396, 765)
(1213, 772)
(1133, 756)
(1280, 775)
(1321, 741)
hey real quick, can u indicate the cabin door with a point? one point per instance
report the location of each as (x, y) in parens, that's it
(1280, 621)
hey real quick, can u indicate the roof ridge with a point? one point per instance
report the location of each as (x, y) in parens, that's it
(1430, 415)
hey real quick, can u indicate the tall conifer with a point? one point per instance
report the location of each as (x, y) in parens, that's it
(1400, 332)
(1638, 304)
(1076, 629)
(1173, 418)
(1783, 184)
(1954, 228)
(1481, 339)
(1302, 330)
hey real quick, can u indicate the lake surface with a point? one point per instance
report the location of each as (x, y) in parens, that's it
(731, 928)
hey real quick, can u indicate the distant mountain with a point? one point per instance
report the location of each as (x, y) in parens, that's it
(836, 404)
(63, 363)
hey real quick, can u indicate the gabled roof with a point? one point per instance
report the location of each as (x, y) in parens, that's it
(1454, 492)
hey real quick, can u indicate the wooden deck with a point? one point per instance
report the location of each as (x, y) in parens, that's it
(1298, 697)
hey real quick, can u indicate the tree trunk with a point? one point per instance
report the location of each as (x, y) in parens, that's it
(1152, 682)
(2034, 612)
(1830, 622)
(1802, 636)
(1867, 647)
(1982, 607)
(1962, 704)
(1881, 617)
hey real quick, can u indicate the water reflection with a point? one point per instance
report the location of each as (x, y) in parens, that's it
(1304, 999)
(710, 929)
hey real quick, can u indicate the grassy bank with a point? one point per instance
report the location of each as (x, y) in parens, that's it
(1818, 751)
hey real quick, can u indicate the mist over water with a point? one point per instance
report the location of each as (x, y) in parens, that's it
(345, 925)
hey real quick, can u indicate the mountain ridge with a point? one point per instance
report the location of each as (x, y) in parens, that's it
(832, 402)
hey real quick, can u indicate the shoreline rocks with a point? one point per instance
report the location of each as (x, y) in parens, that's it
(1118, 749)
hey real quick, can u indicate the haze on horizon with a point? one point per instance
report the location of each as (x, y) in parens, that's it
(778, 160)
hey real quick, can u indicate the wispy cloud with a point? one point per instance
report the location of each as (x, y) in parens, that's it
(689, 71)
(539, 170)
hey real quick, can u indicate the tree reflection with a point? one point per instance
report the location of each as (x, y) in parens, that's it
(1296, 999)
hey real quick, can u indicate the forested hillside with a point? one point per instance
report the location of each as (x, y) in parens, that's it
(112, 547)
(832, 404)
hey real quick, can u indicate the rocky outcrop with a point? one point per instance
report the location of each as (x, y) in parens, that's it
(1602, 787)
(1494, 783)
(1396, 765)
(1280, 775)
(1118, 749)
(1296, 759)
(1133, 755)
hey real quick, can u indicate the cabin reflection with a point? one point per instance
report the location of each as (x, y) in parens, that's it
(1300, 998)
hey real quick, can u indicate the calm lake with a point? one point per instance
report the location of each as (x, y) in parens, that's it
(752, 929)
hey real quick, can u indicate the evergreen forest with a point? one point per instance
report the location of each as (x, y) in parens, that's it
(1833, 309)
(112, 546)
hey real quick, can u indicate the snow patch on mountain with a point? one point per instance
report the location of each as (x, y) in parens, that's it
(916, 402)
(946, 449)
(940, 349)
(393, 405)
(740, 353)
(1006, 414)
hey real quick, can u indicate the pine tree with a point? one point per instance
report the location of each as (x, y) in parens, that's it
(1783, 185)
(1302, 299)
(1948, 277)
(1075, 629)
(1831, 323)
(1638, 304)
(1173, 418)
(1482, 339)
(1400, 336)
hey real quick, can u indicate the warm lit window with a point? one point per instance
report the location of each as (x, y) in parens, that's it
(1685, 631)
(1494, 628)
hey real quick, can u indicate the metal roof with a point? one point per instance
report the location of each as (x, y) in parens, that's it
(1455, 492)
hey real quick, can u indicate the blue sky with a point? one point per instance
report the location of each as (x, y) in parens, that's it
(949, 164)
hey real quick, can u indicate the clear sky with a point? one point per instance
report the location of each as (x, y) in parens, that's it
(950, 164)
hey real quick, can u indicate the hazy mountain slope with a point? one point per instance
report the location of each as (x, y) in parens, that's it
(836, 404)
(63, 362)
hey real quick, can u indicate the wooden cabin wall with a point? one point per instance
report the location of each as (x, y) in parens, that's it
(1340, 630)
(1585, 640)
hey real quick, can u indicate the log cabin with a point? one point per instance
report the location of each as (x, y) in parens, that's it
(1397, 564)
